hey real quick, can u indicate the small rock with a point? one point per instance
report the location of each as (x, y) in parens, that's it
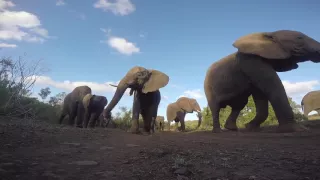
(49, 174)
(73, 144)
(2, 171)
(132, 145)
(182, 178)
(125, 162)
(182, 171)
(252, 177)
(85, 163)
(106, 147)
(6, 164)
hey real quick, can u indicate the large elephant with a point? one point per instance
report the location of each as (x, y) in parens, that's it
(73, 106)
(160, 123)
(93, 105)
(253, 71)
(145, 84)
(177, 111)
(310, 102)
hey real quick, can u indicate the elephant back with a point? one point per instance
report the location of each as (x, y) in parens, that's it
(79, 92)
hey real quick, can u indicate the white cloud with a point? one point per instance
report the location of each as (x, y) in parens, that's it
(6, 45)
(6, 4)
(69, 86)
(122, 45)
(60, 3)
(299, 88)
(20, 25)
(196, 93)
(117, 7)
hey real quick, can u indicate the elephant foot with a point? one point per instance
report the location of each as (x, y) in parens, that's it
(252, 128)
(291, 127)
(134, 131)
(231, 126)
(216, 130)
(79, 126)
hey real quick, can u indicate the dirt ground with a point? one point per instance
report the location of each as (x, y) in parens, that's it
(34, 150)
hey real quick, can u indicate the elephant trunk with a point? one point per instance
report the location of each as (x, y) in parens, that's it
(200, 119)
(121, 88)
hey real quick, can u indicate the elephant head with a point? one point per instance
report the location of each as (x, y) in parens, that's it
(310, 102)
(188, 104)
(282, 49)
(146, 80)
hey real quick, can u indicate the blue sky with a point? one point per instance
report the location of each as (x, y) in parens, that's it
(97, 41)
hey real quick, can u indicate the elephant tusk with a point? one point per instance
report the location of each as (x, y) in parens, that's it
(113, 85)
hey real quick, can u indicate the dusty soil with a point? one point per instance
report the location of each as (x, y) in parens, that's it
(34, 150)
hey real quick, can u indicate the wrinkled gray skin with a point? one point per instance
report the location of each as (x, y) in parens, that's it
(144, 84)
(95, 106)
(253, 70)
(73, 106)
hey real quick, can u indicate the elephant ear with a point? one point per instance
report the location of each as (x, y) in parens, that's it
(86, 100)
(185, 104)
(261, 44)
(172, 110)
(156, 81)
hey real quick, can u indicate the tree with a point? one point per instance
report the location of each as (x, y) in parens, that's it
(57, 99)
(44, 93)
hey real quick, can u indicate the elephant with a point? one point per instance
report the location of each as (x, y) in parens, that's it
(252, 70)
(177, 111)
(160, 122)
(310, 102)
(93, 105)
(144, 84)
(73, 106)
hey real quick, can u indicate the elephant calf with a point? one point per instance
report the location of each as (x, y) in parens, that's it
(81, 103)
(73, 106)
(160, 123)
(93, 105)
(177, 111)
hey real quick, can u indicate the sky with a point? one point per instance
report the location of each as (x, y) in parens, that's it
(95, 42)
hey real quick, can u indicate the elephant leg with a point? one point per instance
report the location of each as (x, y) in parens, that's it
(176, 125)
(153, 124)
(80, 115)
(93, 120)
(215, 110)
(87, 115)
(135, 114)
(72, 113)
(265, 78)
(231, 122)
(261, 103)
(62, 116)
(237, 105)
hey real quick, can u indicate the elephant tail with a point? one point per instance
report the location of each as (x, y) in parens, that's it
(302, 104)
